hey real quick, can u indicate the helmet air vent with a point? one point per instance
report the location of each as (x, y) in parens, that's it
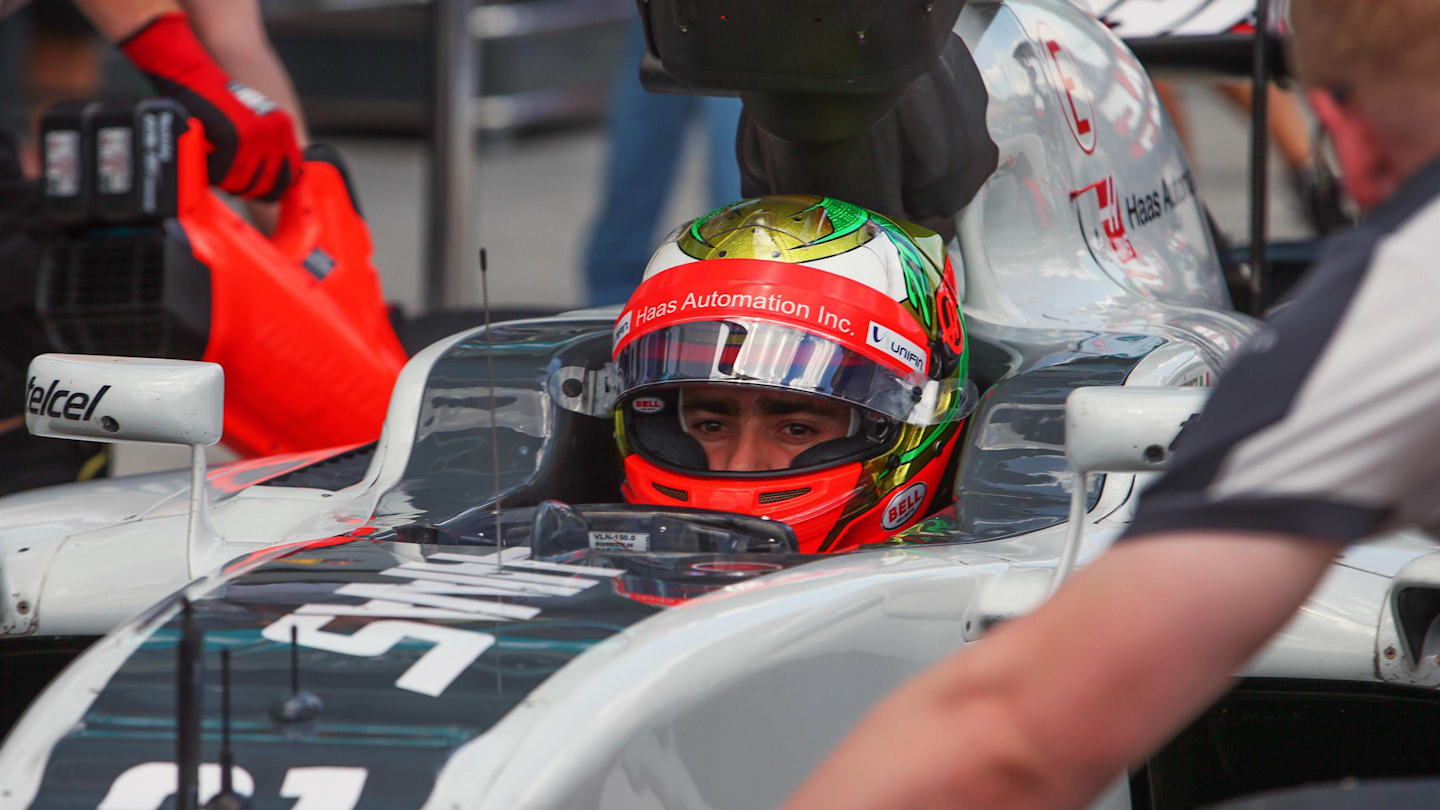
(672, 492)
(777, 496)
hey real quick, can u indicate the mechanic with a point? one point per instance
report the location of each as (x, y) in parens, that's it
(1324, 433)
(795, 358)
(212, 56)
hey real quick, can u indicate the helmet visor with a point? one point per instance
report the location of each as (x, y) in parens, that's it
(750, 352)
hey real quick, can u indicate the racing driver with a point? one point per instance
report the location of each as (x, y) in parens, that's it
(794, 358)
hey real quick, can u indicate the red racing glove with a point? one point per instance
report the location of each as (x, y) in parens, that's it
(253, 150)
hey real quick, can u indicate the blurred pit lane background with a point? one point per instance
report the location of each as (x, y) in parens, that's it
(363, 71)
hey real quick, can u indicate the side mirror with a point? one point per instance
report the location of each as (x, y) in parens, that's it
(113, 399)
(1407, 645)
(1118, 430)
(1126, 430)
(132, 399)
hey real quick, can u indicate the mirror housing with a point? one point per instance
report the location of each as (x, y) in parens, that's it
(1118, 430)
(113, 399)
(1127, 430)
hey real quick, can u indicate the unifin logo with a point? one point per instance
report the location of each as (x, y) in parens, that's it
(903, 506)
(622, 328)
(77, 406)
(899, 346)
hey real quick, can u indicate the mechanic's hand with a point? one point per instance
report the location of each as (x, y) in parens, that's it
(254, 152)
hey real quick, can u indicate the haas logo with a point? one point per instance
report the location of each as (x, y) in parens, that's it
(1075, 101)
(903, 506)
(1111, 220)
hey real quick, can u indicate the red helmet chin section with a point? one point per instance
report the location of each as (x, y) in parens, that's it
(829, 509)
(898, 509)
(810, 504)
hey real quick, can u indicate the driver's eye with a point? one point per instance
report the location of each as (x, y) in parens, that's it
(708, 426)
(795, 430)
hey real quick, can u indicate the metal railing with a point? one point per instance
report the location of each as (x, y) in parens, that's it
(458, 108)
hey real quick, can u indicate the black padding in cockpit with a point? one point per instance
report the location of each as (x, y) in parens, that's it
(660, 436)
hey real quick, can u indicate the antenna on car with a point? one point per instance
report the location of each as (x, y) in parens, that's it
(191, 666)
(299, 707)
(494, 429)
(227, 798)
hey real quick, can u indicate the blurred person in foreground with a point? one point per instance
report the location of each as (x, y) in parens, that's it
(1323, 433)
(213, 57)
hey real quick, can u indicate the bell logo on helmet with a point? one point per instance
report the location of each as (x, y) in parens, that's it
(903, 506)
(647, 405)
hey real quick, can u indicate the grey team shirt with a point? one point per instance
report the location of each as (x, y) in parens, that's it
(1329, 424)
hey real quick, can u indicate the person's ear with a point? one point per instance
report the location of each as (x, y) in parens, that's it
(1364, 157)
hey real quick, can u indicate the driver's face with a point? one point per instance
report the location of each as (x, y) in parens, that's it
(755, 430)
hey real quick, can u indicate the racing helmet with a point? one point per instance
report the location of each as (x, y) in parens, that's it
(796, 298)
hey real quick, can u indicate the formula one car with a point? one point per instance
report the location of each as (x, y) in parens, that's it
(461, 615)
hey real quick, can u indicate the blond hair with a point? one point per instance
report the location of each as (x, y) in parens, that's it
(1366, 44)
(1382, 55)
